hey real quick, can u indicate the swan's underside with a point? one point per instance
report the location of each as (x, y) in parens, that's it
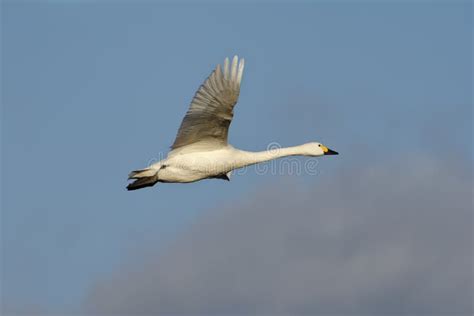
(188, 167)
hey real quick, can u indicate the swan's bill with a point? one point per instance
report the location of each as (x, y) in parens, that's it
(328, 151)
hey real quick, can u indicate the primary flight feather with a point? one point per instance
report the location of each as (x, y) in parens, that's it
(200, 150)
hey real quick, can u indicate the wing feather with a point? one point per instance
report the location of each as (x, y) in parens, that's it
(210, 113)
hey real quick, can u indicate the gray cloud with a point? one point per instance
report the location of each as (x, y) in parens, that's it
(389, 239)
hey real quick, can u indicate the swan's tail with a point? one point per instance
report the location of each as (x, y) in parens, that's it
(143, 178)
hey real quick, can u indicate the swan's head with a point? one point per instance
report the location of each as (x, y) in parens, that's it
(318, 149)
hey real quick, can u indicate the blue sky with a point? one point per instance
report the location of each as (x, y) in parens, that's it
(93, 90)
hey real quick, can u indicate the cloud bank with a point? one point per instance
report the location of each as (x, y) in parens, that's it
(391, 239)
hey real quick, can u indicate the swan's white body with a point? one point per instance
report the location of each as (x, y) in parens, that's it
(200, 150)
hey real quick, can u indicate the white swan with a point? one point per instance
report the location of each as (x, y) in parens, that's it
(200, 150)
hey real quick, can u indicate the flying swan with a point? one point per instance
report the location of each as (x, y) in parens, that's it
(200, 150)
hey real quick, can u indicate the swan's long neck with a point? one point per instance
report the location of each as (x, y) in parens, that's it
(248, 158)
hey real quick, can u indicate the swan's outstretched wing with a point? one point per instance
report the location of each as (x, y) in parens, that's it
(211, 109)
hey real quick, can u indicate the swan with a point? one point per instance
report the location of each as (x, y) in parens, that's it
(200, 150)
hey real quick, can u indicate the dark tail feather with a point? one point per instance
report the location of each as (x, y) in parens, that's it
(142, 183)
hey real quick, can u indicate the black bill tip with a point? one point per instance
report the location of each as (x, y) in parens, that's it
(331, 152)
